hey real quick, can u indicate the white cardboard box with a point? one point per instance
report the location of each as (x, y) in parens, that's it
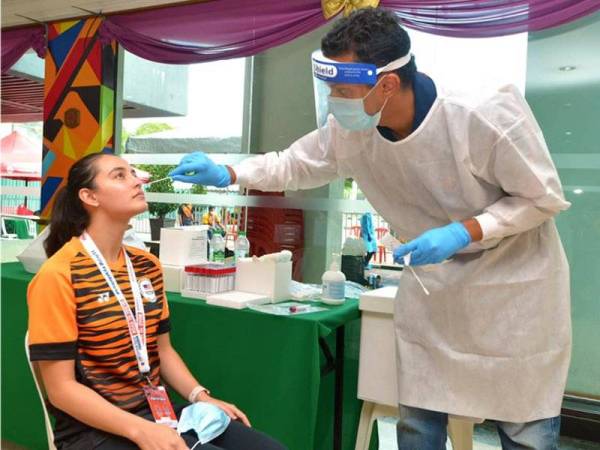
(377, 371)
(182, 246)
(172, 277)
(269, 278)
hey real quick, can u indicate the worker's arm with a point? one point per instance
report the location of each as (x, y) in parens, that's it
(520, 164)
(306, 164)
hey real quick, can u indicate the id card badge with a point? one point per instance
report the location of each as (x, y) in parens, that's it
(160, 405)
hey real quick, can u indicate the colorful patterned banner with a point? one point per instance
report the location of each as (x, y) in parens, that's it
(79, 100)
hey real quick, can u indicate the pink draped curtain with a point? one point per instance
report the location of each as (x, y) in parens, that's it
(223, 29)
(16, 42)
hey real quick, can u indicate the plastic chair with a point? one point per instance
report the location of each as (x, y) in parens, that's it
(32, 228)
(42, 393)
(381, 250)
(460, 431)
(5, 234)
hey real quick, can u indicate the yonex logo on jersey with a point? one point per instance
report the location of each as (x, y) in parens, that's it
(147, 290)
(104, 297)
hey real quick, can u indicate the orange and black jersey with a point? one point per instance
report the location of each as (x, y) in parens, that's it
(74, 315)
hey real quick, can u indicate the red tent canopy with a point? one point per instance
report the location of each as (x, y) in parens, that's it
(20, 157)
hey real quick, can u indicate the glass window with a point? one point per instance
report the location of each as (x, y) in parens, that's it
(563, 90)
(471, 66)
(178, 108)
(172, 110)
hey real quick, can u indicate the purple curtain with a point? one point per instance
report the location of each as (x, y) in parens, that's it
(224, 29)
(487, 18)
(16, 42)
(212, 30)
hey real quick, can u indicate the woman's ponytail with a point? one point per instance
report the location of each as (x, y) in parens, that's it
(69, 217)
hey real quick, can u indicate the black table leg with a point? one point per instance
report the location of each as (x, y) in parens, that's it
(336, 365)
(338, 413)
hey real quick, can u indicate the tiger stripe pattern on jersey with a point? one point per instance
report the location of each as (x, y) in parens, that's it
(100, 342)
(105, 353)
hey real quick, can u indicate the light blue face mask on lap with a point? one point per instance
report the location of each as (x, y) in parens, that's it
(206, 419)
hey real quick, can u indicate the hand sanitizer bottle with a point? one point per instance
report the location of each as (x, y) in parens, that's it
(334, 284)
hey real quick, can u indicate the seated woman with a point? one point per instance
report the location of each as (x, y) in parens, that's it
(88, 305)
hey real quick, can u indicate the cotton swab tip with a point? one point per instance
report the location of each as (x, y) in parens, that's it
(419, 280)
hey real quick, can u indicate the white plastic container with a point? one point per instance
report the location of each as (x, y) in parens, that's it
(217, 248)
(242, 246)
(334, 285)
(237, 299)
(266, 277)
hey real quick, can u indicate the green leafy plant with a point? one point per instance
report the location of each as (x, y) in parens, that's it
(151, 128)
(144, 129)
(165, 186)
(198, 189)
(348, 189)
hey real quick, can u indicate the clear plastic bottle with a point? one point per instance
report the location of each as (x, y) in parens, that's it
(242, 246)
(217, 244)
(334, 284)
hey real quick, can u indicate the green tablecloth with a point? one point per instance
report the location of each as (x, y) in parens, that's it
(267, 365)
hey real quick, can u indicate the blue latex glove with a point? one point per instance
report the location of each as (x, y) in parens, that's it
(198, 168)
(435, 245)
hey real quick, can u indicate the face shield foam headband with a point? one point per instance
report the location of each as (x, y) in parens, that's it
(331, 71)
(349, 112)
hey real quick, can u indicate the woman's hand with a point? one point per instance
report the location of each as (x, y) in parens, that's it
(230, 409)
(155, 436)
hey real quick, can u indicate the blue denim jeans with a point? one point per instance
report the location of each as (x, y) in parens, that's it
(419, 429)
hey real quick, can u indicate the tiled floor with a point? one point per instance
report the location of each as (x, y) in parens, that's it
(485, 438)
(5, 445)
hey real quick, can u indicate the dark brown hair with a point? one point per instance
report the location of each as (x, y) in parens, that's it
(375, 36)
(69, 217)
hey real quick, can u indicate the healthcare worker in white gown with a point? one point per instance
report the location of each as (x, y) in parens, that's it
(471, 187)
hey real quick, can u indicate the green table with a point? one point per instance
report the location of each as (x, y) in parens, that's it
(269, 366)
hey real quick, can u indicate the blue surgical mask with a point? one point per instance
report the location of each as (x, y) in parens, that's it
(351, 114)
(206, 419)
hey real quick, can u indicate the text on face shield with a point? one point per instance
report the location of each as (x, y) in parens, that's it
(324, 70)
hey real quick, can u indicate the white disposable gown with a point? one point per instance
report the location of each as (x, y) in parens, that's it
(493, 339)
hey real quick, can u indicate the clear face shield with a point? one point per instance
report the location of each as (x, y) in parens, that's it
(341, 89)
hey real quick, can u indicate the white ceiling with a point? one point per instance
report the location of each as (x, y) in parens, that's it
(576, 44)
(52, 10)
